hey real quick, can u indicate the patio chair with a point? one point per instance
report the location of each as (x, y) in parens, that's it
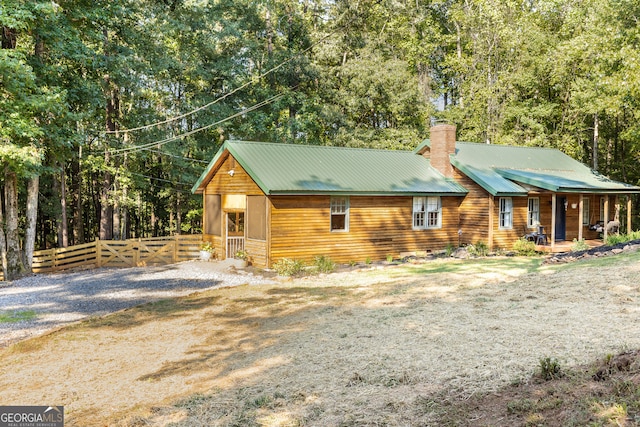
(529, 235)
(541, 237)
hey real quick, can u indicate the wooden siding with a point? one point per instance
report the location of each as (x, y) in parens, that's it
(378, 226)
(240, 183)
(474, 211)
(504, 238)
(257, 250)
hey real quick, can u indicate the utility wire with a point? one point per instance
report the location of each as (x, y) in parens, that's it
(121, 151)
(253, 80)
(173, 155)
(160, 179)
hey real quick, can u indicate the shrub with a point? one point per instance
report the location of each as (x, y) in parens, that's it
(524, 247)
(450, 249)
(479, 249)
(614, 239)
(324, 264)
(579, 245)
(550, 368)
(288, 267)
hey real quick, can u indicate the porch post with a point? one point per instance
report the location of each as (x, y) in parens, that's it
(606, 217)
(580, 214)
(616, 216)
(553, 222)
(629, 204)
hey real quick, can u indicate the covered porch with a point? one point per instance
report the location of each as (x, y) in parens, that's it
(587, 216)
(566, 246)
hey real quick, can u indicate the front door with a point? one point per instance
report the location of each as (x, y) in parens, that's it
(561, 218)
(235, 233)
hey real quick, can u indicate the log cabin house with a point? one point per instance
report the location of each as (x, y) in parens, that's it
(279, 201)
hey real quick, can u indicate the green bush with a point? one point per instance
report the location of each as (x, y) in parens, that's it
(324, 264)
(614, 239)
(479, 249)
(288, 267)
(524, 247)
(550, 368)
(450, 249)
(579, 245)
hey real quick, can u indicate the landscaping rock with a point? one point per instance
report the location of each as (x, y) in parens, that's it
(600, 251)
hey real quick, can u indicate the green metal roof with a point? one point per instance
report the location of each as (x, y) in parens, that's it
(500, 169)
(307, 169)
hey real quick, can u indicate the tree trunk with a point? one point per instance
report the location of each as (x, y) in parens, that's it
(459, 53)
(112, 107)
(178, 215)
(3, 241)
(116, 220)
(15, 265)
(596, 136)
(33, 186)
(63, 223)
(76, 187)
(9, 38)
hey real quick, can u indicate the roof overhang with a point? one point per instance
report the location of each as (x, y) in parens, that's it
(568, 181)
(490, 181)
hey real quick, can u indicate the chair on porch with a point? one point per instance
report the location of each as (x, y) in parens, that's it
(528, 235)
(541, 237)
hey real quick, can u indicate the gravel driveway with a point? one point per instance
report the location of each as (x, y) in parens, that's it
(59, 299)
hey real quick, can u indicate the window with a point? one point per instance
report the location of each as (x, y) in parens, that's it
(339, 214)
(533, 215)
(506, 208)
(212, 221)
(427, 212)
(586, 215)
(257, 217)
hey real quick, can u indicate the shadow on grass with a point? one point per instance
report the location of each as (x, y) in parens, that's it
(516, 265)
(158, 310)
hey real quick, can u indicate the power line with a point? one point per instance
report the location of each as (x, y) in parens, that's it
(160, 179)
(253, 80)
(177, 157)
(121, 151)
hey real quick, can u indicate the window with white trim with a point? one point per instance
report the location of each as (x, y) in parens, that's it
(427, 212)
(533, 213)
(339, 214)
(586, 215)
(506, 212)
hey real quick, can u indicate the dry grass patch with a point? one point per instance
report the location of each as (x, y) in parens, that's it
(378, 347)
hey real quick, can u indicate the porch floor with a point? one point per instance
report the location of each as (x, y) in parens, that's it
(565, 246)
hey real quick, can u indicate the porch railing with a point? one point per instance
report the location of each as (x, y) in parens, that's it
(234, 244)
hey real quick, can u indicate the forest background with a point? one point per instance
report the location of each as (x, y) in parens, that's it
(110, 110)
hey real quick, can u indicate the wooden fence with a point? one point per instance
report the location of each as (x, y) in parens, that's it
(119, 253)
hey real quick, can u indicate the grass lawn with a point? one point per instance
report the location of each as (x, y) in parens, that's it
(488, 342)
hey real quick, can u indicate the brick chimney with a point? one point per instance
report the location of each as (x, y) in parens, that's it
(443, 144)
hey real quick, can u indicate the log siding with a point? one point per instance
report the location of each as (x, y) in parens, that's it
(378, 227)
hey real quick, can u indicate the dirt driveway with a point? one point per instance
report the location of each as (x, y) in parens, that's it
(54, 300)
(354, 348)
